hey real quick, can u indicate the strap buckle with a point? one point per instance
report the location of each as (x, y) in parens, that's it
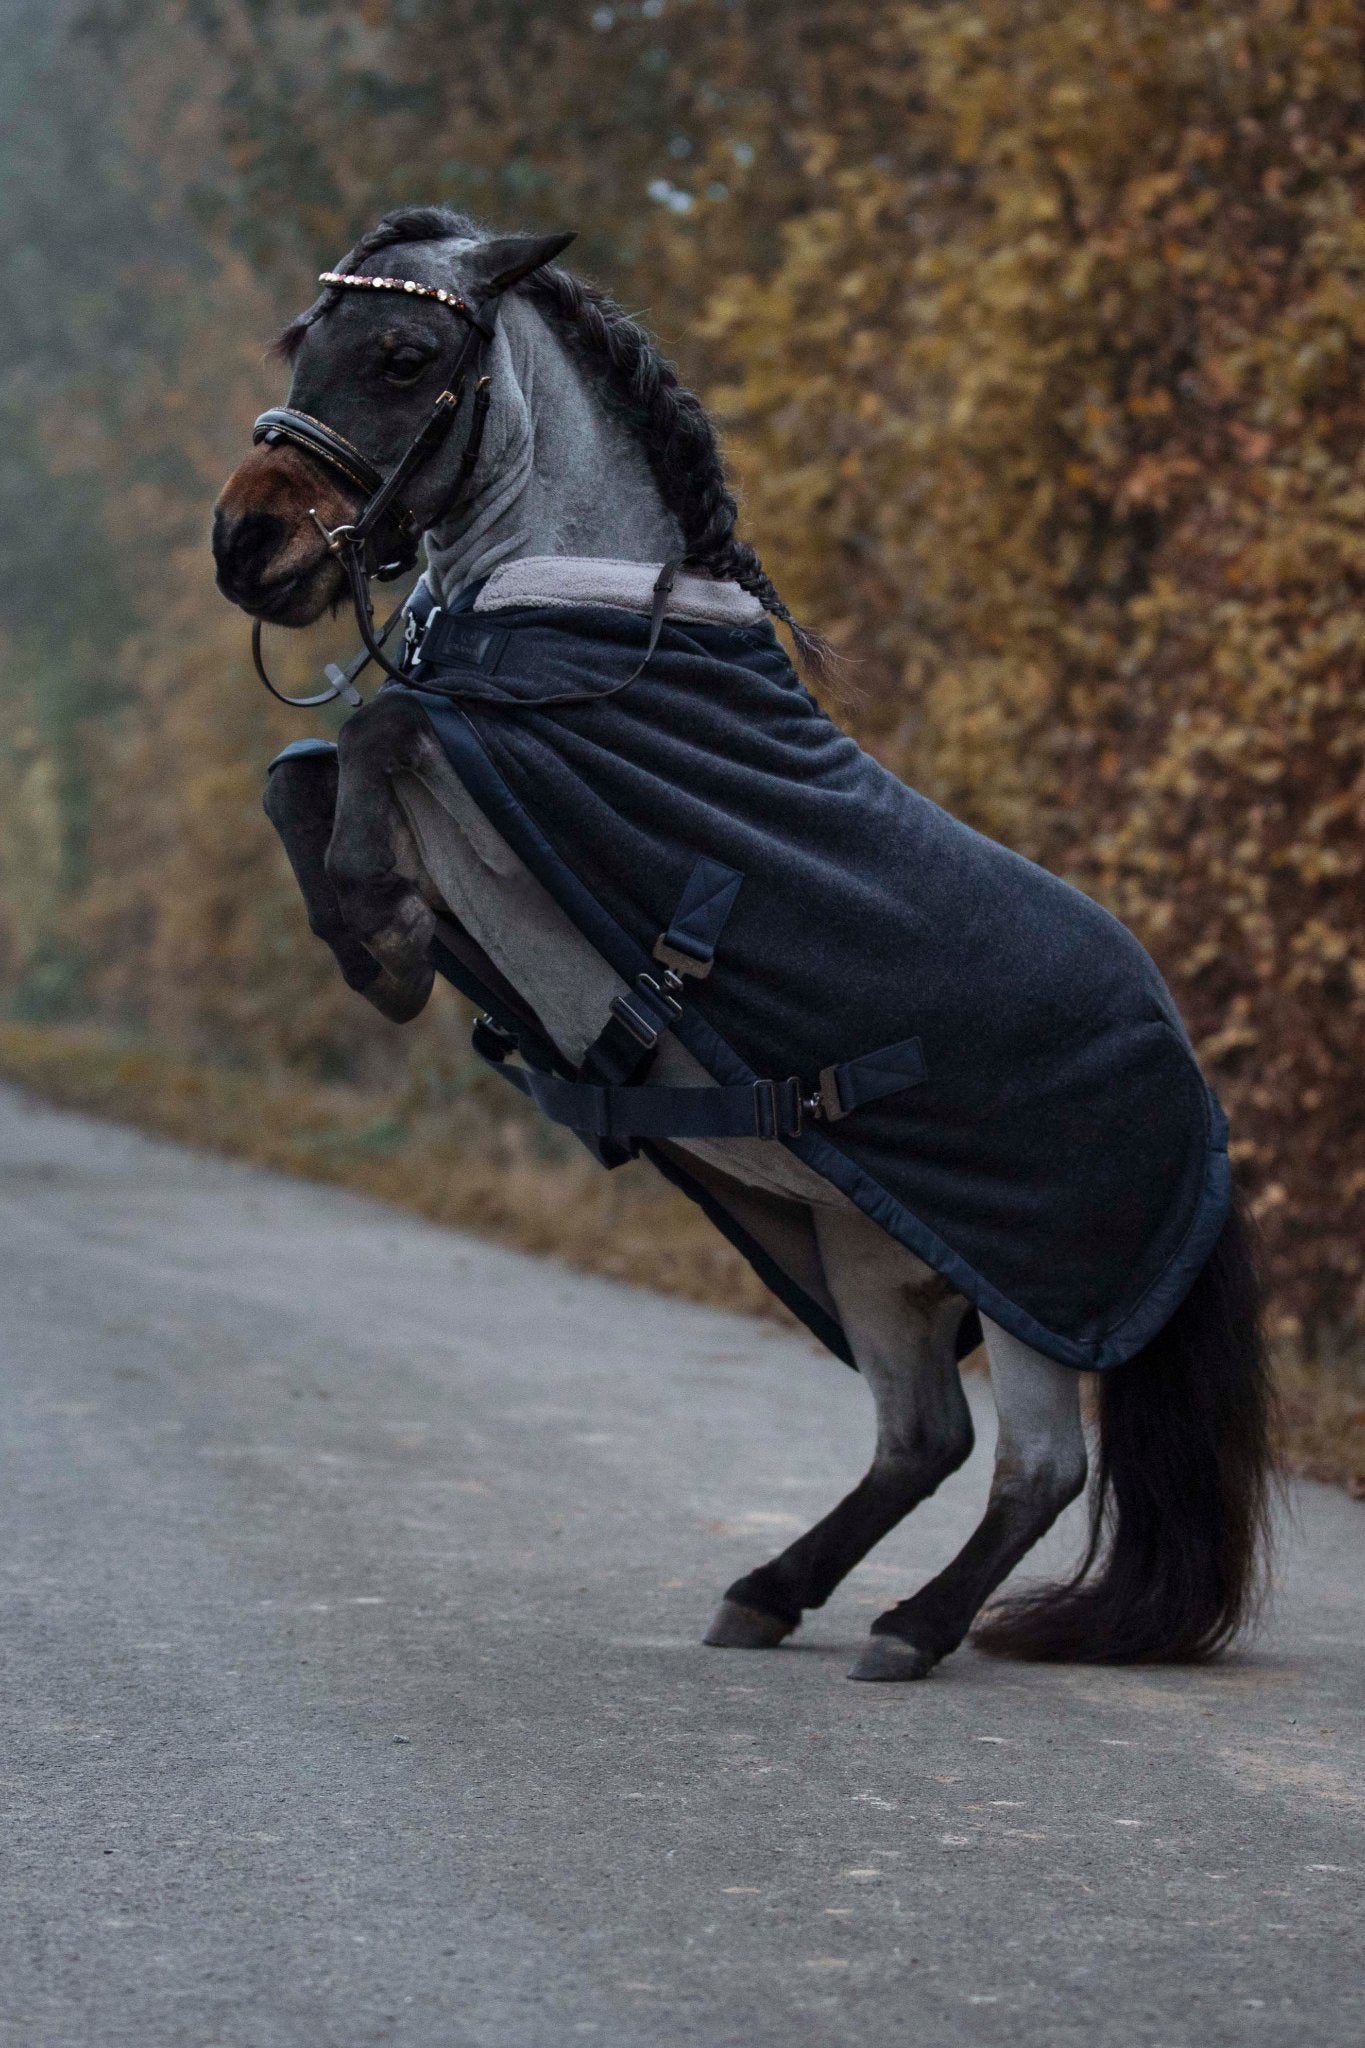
(678, 962)
(779, 1108)
(636, 1023)
(415, 632)
(642, 1020)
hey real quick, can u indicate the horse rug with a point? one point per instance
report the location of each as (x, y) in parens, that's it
(990, 1064)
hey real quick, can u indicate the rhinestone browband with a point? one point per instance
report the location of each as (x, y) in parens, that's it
(396, 284)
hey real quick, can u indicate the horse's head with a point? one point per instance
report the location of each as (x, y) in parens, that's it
(368, 367)
(593, 446)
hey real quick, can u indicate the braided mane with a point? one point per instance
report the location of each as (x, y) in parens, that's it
(641, 385)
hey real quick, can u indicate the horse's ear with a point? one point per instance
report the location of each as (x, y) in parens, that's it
(496, 266)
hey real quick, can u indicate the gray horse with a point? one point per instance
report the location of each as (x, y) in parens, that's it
(595, 469)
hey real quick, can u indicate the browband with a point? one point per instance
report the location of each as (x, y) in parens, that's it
(411, 286)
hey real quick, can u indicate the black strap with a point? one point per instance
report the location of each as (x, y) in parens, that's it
(871, 1078)
(314, 437)
(757, 1109)
(694, 930)
(340, 681)
(663, 586)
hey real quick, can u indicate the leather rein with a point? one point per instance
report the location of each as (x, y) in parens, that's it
(382, 540)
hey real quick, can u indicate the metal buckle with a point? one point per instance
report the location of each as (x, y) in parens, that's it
(771, 1100)
(643, 1028)
(639, 1027)
(680, 963)
(415, 636)
(661, 992)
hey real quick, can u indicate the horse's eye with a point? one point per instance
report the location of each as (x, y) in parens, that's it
(405, 364)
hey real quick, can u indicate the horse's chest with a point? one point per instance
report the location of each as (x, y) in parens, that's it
(568, 984)
(501, 905)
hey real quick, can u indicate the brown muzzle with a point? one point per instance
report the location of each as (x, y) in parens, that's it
(270, 557)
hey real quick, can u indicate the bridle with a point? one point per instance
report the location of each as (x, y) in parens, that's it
(382, 540)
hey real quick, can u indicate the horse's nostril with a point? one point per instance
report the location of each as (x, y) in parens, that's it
(244, 547)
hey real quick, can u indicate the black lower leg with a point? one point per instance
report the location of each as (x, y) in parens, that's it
(936, 1619)
(808, 1571)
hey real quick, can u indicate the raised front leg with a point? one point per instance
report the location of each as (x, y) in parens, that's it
(1039, 1468)
(354, 857)
(300, 802)
(372, 863)
(901, 1321)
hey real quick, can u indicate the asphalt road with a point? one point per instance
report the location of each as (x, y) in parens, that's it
(353, 1575)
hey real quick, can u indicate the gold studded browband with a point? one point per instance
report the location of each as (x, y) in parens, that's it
(396, 284)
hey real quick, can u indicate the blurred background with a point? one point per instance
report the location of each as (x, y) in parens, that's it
(1037, 332)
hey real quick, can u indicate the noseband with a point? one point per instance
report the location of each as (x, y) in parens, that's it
(382, 540)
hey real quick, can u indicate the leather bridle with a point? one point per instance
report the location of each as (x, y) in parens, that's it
(383, 538)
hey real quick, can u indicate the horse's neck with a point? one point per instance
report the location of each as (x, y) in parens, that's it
(558, 474)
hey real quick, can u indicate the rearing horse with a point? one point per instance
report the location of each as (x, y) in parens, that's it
(929, 1090)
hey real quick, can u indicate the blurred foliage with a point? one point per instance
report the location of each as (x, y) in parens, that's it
(1038, 330)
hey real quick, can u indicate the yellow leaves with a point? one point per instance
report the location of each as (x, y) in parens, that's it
(1112, 442)
(1147, 194)
(1039, 344)
(1238, 1036)
(1155, 480)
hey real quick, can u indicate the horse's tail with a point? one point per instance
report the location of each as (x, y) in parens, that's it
(1179, 1527)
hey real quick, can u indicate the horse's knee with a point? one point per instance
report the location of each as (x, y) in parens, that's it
(927, 1452)
(300, 801)
(1042, 1469)
(1041, 1458)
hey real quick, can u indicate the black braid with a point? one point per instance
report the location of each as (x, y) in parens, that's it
(676, 435)
(672, 425)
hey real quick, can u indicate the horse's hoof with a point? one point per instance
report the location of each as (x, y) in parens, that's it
(400, 998)
(745, 1628)
(888, 1660)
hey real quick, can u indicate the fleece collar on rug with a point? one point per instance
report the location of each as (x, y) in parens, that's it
(564, 580)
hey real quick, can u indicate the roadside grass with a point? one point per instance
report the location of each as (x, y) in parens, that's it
(468, 1164)
(474, 1167)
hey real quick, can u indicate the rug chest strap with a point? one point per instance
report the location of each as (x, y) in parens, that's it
(754, 1109)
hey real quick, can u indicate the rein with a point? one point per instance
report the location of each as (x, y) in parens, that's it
(382, 540)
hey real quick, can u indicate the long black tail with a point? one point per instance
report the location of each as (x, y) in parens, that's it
(1179, 1530)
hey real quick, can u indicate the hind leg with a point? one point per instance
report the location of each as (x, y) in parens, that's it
(1039, 1469)
(901, 1320)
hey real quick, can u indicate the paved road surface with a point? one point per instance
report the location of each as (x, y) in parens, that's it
(353, 1576)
